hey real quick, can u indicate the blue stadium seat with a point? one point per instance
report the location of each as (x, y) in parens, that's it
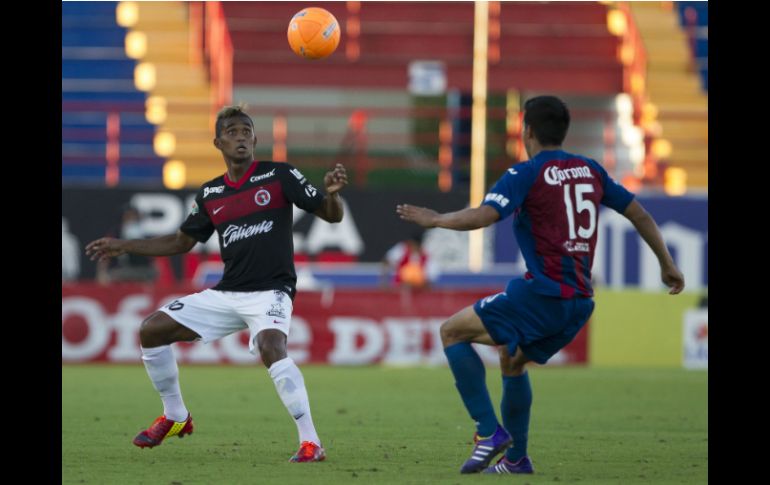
(88, 8)
(98, 69)
(94, 37)
(98, 79)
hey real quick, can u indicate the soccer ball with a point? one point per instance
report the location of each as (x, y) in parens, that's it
(313, 33)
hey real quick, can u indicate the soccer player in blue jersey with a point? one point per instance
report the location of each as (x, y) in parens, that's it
(554, 199)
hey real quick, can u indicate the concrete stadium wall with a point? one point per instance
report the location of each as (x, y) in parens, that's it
(639, 329)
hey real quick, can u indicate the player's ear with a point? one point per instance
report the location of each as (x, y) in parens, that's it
(216, 143)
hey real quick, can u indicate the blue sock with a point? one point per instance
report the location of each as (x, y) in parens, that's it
(517, 399)
(470, 379)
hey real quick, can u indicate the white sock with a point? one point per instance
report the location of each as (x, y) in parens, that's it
(164, 374)
(291, 389)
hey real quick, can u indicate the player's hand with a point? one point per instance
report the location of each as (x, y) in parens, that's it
(673, 278)
(104, 249)
(335, 180)
(419, 215)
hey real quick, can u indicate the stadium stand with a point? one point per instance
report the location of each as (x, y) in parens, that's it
(357, 107)
(674, 87)
(105, 137)
(533, 49)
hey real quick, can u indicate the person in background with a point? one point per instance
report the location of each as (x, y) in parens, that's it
(408, 264)
(70, 253)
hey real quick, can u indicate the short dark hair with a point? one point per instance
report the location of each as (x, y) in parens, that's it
(230, 112)
(549, 118)
(417, 236)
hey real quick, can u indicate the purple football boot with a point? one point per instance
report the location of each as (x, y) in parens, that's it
(485, 449)
(524, 465)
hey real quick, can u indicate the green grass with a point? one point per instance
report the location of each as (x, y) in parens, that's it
(383, 425)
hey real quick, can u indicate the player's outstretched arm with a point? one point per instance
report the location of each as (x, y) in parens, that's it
(648, 229)
(462, 220)
(334, 181)
(107, 247)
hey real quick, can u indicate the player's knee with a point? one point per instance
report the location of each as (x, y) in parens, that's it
(149, 333)
(450, 334)
(512, 366)
(272, 347)
(271, 354)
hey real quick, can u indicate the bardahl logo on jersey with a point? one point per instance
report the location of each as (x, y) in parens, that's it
(213, 190)
(297, 175)
(235, 233)
(257, 178)
(577, 247)
(555, 176)
(499, 198)
(276, 310)
(262, 197)
(310, 190)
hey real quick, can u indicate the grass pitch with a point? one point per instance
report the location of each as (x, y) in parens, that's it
(383, 425)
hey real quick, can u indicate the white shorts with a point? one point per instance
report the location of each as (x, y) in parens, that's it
(215, 314)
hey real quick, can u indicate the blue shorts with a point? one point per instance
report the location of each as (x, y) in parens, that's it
(541, 325)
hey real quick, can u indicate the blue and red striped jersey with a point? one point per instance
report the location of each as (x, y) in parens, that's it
(554, 199)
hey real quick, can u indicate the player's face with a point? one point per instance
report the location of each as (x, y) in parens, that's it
(237, 139)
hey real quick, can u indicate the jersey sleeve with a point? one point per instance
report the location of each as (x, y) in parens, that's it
(299, 191)
(198, 225)
(615, 196)
(511, 189)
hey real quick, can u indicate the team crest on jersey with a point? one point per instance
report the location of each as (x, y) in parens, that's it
(195, 209)
(276, 310)
(262, 197)
(310, 190)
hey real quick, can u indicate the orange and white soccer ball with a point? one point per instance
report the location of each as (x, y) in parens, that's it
(313, 33)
